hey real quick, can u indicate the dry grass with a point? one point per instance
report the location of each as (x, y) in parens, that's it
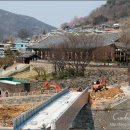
(8, 112)
(27, 74)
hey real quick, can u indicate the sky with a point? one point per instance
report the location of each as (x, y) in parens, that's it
(51, 12)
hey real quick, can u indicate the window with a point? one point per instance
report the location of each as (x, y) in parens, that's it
(6, 94)
(1, 46)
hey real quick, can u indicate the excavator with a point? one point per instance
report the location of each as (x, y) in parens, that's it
(47, 86)
(99, 85)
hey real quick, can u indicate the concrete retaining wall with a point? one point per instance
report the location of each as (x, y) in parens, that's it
(18, 121)
(25, 99)
(64, 122)
(25, 68)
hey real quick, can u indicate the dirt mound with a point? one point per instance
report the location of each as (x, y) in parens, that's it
(102, 99)
(106, 94)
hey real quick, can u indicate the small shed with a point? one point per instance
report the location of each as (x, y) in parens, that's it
(27, 56)
(9, 85)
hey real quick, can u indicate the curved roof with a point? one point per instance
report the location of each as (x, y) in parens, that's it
(50, 41)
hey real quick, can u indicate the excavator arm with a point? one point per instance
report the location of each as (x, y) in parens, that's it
(48, 85)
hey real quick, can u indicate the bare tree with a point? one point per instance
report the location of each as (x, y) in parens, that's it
(75, 53)
(65, 26)
(44, 32)
(41, 72)
(9, 39)
(125, 39)
(104, 54)
(24, 33)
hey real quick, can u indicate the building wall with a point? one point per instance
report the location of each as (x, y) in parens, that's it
(10, 88)
(24, 99)
(107, 53)
(2, 54)
(21, 45)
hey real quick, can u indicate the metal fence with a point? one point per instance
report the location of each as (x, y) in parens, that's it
(21, 119)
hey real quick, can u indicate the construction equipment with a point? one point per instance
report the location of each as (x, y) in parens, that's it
(79, 90)
(48, 86)
(99, 85)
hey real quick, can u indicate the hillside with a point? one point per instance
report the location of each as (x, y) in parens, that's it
(113, 11)
(11, 23)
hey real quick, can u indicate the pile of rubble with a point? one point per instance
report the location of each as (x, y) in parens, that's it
(111, 93)
(104, 99)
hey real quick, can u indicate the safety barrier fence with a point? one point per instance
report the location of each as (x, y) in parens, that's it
(33, 93)
(21, 119)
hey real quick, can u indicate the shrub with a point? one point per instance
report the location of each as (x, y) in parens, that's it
(54, 74)
(60, 74)
(6, 60)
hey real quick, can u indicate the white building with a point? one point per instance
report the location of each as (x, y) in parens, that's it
(3, 47)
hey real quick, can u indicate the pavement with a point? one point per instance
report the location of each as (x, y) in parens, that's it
(126, 89)
(14, 68)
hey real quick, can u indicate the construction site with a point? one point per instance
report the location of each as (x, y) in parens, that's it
(102, 89)
(73, 76)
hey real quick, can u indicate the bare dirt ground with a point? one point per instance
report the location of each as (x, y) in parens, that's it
(101, 98)
(8, 112)
(107, 94)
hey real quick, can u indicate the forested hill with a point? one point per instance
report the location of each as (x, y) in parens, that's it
(113, 10)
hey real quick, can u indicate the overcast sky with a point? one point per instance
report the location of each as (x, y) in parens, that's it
(51, 12)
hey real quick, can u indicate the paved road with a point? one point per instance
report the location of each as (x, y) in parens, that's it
(12, 69)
